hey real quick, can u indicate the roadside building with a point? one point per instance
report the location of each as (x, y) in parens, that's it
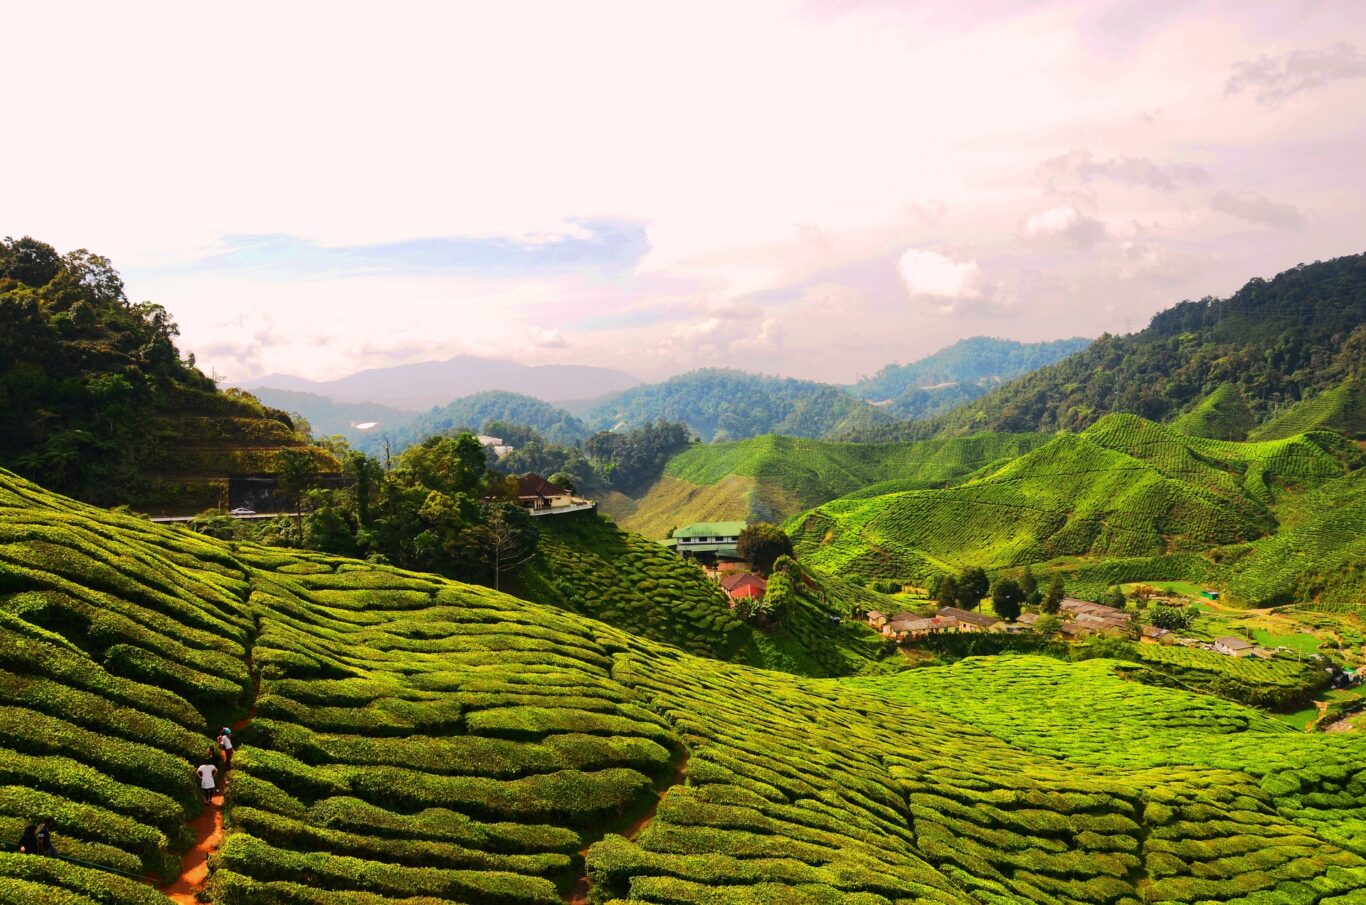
(743, 585)
(710, 541)
(536, 493)
(1233, 646)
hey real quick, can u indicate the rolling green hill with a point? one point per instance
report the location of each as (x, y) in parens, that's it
(417, 740)
(1275, 342)
(771, 478)
(1341, 408)
(1125, 492)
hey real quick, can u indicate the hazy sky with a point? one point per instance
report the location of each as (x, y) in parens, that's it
(811, 189)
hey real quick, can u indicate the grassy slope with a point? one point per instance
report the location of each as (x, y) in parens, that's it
(422, 740)
(1222, 415)
(1124, 489)
(771, 477)
(587, 565)
(1342, 409)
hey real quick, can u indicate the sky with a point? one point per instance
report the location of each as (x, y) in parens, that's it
(813, 189)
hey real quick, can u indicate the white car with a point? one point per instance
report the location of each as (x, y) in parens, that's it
(243, 510)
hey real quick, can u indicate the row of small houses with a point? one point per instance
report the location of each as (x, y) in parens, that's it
(1082, 619)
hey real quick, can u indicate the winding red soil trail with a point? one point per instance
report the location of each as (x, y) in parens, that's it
(207, 827)
(578, 893)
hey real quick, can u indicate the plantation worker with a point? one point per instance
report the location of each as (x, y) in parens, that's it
(225, 742)
(213, 757)
(208, 780)
(28, 840)
(45, 846)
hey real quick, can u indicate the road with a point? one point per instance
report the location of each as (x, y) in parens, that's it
(168, 519)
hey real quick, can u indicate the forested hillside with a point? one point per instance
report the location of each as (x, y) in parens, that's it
(328, 417)
(732, 405)
(407, 738)
(473, 412)
(97, 402)
(1270, 346)
(958, 374)
(1125, 500)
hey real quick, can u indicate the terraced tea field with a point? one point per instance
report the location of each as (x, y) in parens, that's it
(420, 741)
(770, 478)
(1128, 499)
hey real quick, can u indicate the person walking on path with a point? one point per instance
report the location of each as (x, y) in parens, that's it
(213, 757)
(28, 840)
(208, 780)
(225, 742)
(45, 846)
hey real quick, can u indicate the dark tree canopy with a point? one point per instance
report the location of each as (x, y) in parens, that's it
(1007, 598)
(761, 544)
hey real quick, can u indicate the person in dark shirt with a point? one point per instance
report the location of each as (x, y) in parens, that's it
(28, 841)
(45, 846)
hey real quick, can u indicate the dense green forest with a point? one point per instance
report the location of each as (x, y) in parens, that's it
(1270, 346)
(960, 373)
(98, 403)
(471, 413)
(723, 404)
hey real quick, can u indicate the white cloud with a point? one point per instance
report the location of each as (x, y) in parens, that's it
(929, 274)
(1065, 223)
(1256, 208)
(1274, 79)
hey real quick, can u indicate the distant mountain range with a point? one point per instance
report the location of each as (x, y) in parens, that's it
(718, 404)
(422, 385)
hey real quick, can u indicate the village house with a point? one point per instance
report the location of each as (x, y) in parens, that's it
(919, 627)
(1232, 646)
(536, 493)
(709, 541)
(1075, 631)
(877, 620)
(968, 621)
(1153, 635)
(743, 585)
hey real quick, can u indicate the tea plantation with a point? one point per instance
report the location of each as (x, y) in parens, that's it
(420, 741)
(1124, 489)
(770, 478)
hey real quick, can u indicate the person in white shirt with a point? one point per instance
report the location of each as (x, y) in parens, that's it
(225, 742)
(208, 780)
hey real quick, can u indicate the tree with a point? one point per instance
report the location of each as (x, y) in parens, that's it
(366, 476)
(1172, 618)
(506, 539)
(947, 593)
(1030, 586)
(761, 544)
(1114, 597)
(1052, 601)
(1048, 625)
(973, 585)
(295, 474)
(563, 479)
(1007, 597)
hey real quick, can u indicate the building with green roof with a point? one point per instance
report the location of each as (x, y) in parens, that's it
(709, 539)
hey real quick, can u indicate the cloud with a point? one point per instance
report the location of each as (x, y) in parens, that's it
(1084, 167)
(1065, 223)
(1256, 208)
(1273, 80)
(548, 339)
(931, 275)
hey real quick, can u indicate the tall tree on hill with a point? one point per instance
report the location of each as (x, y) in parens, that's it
(506, 539)
(973, 585)
(1007, 597)
(761, 544)
(947, 593)
(1052, 601)
(295, 474)
(366, 476)
(1030, 586)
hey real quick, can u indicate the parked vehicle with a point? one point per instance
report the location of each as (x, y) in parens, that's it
(243, 510)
